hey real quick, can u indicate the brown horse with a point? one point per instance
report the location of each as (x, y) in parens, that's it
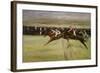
(51, 35)
(65, 35)
(80, 37)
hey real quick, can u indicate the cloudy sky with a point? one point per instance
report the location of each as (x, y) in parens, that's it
(36, 16)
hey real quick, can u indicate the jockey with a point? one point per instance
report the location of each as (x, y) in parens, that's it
(56, 31)
(53, 31)
(72, 29)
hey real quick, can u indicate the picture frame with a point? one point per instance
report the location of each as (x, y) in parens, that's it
(29, 20)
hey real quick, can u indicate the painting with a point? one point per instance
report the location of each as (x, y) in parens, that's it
(53, 36)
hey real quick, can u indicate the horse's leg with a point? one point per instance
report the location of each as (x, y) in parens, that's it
(49, 41)
(84, 44)
(68, 43)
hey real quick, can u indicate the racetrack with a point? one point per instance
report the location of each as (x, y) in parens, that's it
(35, 51)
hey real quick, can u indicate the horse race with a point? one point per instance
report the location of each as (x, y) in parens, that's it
(56, 36)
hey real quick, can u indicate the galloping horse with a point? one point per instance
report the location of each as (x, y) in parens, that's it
(65, 35)
(82, 37)
(51, 35)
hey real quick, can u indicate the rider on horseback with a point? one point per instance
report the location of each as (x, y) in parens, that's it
(56, 31)
(72, 29)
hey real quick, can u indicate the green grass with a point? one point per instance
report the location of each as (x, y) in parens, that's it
(35, 51)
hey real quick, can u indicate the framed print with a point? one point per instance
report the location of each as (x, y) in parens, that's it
(47, 36)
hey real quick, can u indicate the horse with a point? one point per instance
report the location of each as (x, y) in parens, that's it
(82, 37)
(65, 35)
(49, 33)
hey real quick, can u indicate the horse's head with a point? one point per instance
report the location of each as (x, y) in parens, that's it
(48, 32)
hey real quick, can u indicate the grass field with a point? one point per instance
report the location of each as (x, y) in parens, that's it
(35, 51)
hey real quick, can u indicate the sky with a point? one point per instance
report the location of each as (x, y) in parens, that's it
(53, 17)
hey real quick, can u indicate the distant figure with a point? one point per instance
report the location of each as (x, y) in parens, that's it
(56, 31)
(71, 29)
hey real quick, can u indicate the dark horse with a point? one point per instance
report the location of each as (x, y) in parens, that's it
(49, 33)
(80, 36)
(66, 35)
